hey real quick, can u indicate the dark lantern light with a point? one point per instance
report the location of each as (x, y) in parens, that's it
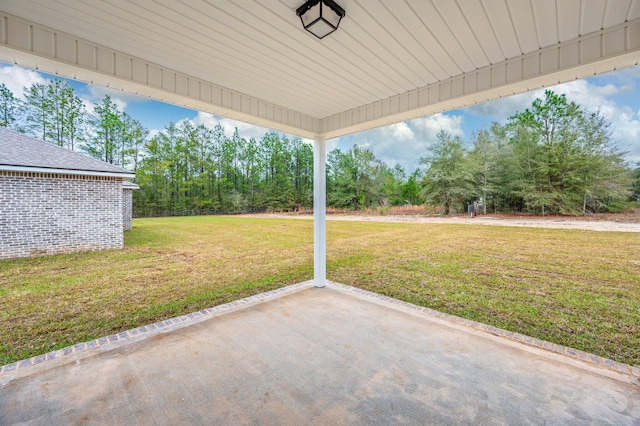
(320, 17)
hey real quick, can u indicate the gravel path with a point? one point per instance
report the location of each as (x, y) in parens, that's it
(540, 222)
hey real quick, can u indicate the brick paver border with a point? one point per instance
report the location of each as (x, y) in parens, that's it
(188, 319)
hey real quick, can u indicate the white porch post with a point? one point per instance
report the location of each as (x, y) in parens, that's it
(319, 212)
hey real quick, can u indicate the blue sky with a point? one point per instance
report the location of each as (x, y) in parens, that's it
(616, 95)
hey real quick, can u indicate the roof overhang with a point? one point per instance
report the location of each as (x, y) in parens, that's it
(555, 41)
(47, 170)
(129, 185)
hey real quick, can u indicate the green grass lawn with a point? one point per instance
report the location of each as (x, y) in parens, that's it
(575, 288)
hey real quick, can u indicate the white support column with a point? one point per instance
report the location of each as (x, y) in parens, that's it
(319, 212)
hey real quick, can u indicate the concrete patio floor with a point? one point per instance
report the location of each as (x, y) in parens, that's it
(303, 355)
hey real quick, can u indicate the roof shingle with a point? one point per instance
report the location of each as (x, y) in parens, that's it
(19, 150)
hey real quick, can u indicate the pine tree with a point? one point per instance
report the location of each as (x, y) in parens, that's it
(108, 128)
(38, 111)
(67, 114)
(9, 108)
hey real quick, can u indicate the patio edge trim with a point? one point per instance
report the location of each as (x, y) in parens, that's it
(157, 327)
(589, 358)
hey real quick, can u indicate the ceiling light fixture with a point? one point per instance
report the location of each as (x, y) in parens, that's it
(320, 17)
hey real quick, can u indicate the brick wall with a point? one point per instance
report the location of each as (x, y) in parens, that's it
(127, 209)
(48, 213)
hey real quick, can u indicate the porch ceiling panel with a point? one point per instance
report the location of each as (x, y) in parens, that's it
(389, 61)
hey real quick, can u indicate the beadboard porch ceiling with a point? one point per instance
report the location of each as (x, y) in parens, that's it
(389, 61)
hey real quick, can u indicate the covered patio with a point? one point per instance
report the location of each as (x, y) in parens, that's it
(303, 355)
(386, 63)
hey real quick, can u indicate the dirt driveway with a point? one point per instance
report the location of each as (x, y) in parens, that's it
(619, 223)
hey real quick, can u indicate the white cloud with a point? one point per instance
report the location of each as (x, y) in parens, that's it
(626, 131)
(246, 130)
(88, 104)
(153, 133)
(229, 125)
(627, 73)
(401, 132)
(501, 109)
(17, 78)
(625, 122)
(406, 142)
(428, 127)
(588, 95)
(583, 92)
(118, 97)
(119, 103)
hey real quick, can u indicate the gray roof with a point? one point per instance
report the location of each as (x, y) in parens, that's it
(21, 151)
(129, 185)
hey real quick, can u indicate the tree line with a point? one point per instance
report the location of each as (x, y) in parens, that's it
(553, 158)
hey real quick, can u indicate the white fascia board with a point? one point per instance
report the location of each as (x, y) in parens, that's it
(596, 53)
(65, 171)
(28, 44)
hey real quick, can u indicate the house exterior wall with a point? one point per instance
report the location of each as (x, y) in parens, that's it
(127, 209)
(49, 214)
